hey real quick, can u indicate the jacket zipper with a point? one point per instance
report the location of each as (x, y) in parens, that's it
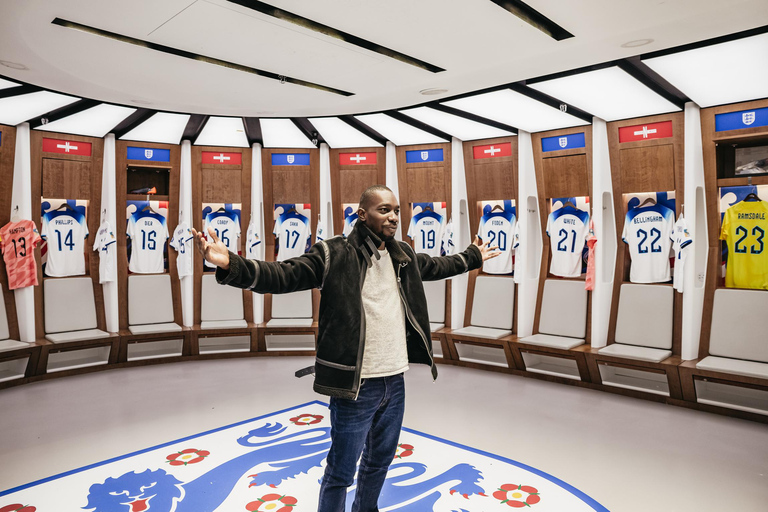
(361, 345)
(409, 315)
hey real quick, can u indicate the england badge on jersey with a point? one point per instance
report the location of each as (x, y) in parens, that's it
(748, 118)
(563, 141)
(290, 158)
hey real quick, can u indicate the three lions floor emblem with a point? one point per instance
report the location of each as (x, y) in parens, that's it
(274, 464)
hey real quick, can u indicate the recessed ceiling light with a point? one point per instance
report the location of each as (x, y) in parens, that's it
(432, 92)
(141, 102)
(13, 65)
(636, 43)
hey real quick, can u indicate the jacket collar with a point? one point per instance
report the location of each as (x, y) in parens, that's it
(366, 241)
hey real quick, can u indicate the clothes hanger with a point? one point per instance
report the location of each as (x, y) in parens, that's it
(148, 207)
(569, 203)
(752, 197)
(646, 201)
(221, 209)
(497, 207)
(64, 205)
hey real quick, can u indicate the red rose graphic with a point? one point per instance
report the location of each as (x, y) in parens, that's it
(18, 507)
(517, 496)
(306, 419)
(407, 451)
(186, 457)
(287, 503)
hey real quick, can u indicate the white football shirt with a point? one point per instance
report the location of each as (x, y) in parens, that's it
(648, 233)
(105, 244)
(498, 229)
(148, 232)
(252, 239)
(426, 231)
(226, 224)
(349, 224)
(449, 247)
(292, 230)
(567, 228)
(682, 239)
(182, 242)
(65, 231)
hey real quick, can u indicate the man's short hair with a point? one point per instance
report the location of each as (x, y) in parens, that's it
(367, 197)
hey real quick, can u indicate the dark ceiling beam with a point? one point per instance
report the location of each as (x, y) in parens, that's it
(19, 91)
(472, 117)
(552, 102)
(364, 129)
(534, 18)
(132, 121)
(62, 112)
(253, 130)
(309, 131)
(194, 127)
(418, 124)
(652, 80)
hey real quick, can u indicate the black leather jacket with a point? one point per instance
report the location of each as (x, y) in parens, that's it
(337, 267)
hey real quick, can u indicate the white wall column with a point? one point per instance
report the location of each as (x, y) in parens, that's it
(605, 229)
(185, 215)
(325, 210)
(695, 212)
(392, 181)
(460, 217)
(109, 213)
(257, 216)
(528, 256)
(21, 198)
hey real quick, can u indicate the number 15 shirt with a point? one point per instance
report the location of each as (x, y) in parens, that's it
(18, 241)
(648, 232)
(148, 231)
(744, 228)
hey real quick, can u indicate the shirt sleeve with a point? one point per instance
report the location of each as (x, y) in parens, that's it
(549, 223)
(412, 227)
(625, 231)
(44, 231)
(725, 228)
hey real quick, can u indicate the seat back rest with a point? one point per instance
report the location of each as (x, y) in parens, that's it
(645, 315)
(292, 305)
(220, 302)
(5, 332)
(69, 304)
(739, 324)
(493, 303)
(564, 308)
(435, 292)
(150, 300)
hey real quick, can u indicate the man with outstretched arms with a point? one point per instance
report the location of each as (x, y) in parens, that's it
(373, 323)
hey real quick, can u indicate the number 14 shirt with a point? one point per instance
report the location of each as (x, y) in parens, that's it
(744, 227)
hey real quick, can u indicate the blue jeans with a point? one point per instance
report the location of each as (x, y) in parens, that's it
(369, 425)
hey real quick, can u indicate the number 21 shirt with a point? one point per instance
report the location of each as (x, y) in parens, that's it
(148, 231)
(18, 241)
(744, 228)
(65, 231)
(567, 228)
(648, 232)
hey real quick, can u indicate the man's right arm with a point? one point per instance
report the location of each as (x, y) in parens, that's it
(301, 273)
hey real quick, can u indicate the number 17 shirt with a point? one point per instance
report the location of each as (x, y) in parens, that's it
(148, 231)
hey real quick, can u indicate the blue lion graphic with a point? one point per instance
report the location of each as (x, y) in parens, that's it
(280, 457)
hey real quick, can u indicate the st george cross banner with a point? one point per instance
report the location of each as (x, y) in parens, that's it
(274, 464)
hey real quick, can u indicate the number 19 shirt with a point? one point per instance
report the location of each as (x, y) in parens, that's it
(567, 228)
(148, 231)
(648, 232)
(744, 227)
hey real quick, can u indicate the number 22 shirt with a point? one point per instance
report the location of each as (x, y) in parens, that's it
(649, 231)
(18, 241)
(744, 228)
(148, 231)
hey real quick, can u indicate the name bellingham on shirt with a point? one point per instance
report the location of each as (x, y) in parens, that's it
(655, 218)
(752, 216)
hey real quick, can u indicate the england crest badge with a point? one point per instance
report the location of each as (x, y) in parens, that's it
(425, 155)
(748, 118)
(563, 141)
(291, 158)
(148, 154)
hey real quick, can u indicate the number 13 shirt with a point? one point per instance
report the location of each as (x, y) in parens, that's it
(18, 241)
(648, 232)
(148, 231)
(567, 228)
(744, 228)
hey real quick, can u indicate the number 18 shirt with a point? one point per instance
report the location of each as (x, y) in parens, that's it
(18, 241)
(148, 232)
(567, 228)
(744, 227)
(648, 232)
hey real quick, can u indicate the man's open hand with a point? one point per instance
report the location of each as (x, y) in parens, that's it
(487, 252)
(213, 250)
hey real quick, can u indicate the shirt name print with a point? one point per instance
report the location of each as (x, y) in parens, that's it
(655, 218)
(496, 223)
(147, 222)
(572, 222)
(428, 222)
(293, 223)
(17, 230)
(63, 222)
(751, 216)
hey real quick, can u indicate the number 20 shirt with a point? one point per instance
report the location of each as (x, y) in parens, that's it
(498, 228)
(292, 229)
(18, 241)
(649, 231)
(148, 231)
(744, 228)
(65, 231)
(567, 228)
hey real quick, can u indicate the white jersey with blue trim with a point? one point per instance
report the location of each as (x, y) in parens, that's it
(182, 242)
(252, 239)
(148, 232)
(682, 240)
(498, 229)
(105, 244)
(226, 224)
(449, 246)
(426, 231)
(349, 224)
(648, 232)
(292, 230)
(65, 231)
(567, 228)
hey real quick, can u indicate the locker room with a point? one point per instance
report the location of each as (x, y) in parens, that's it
(612, 357)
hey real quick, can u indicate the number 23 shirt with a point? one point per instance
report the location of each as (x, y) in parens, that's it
(18, 241)
(648, 232)
(744, 228)
(148, 231)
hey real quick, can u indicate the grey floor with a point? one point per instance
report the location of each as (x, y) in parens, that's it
(628, 454)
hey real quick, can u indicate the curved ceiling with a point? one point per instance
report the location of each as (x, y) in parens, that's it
(168, 55)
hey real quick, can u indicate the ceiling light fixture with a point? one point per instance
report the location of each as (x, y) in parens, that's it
(636, 43)
(432, 92)
(14, 65)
